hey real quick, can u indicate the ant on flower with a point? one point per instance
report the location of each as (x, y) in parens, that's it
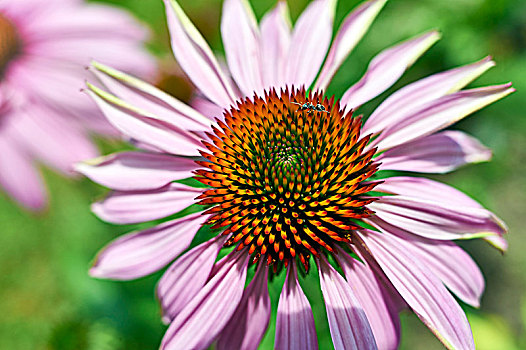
(309, 106)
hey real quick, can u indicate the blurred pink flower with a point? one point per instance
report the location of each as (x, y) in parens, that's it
(44, 49)
(289, 179)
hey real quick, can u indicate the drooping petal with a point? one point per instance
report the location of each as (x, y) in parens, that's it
(138, 254)
(436, 153)
(498, 242)
(274, 46)
(411, 97)
(201, 320)
(148, 98)
(44, 134)
(353, 28)
(436, 220)
(196, 58)
(386, 68)
(310, 38)
(422, 290)
(240, 33)
(295, 329)
(348, 322)
(129, 171)
(249, 323)
(426, 189)
(19, 177)
(143, 126)
(140, 206)
(431, 190)
(439, 114)
(374, 299)
(186, 276)
(450, 263)
(206, 107)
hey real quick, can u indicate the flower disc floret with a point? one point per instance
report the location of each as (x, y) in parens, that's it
(287, 181)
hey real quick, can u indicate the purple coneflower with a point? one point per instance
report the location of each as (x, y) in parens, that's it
(44, 49)
(293, 183)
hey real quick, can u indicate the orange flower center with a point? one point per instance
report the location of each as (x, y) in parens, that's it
(9, 43)
(288, 176)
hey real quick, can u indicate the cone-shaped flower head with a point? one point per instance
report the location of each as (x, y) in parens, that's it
(292, 181)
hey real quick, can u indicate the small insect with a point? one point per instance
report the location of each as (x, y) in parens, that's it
(309, 106)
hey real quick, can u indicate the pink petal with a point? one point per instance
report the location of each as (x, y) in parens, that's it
(201, 320)
(44, 133)
(422, 290)
(386, 68)
(439, 114)
(426, 189)
(207, 107)
(311, 38)
(275, 42)
(140, 206)
(413, 96)
(249, 323)
(154, 132)
(375, 300)
(19, 177)
(195, 57)
(148, 98)
(186, 277)
(436, 220)
(138, 254)
(431, 190)
(349, 326)
(240, 33)
(128, 171)
(498, 242)
(353, 28)
(452, 265)
(437, 153)
(295, 328)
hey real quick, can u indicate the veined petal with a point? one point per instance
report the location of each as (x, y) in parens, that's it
(295, 328)
(422, 290)
(439, 114)
(426, 189)
(43, 134)
(274, 46)
(375, 300)
(240, 33)
(138, 254)
(148, 98)
(201, 320)
(411, 97)
(450, 197)
(349, 326)
(249, 323)
(353, 28)
(143, 126)
(186, 277)
(206, 107)
(436, 153)
(140, 206)
(386, 68)
(129, 171)
(435, 220)
(195, 57)
(19, 177)
(450, 263)
(310, 38)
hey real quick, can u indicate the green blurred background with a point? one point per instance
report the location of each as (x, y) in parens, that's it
(48, 301)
